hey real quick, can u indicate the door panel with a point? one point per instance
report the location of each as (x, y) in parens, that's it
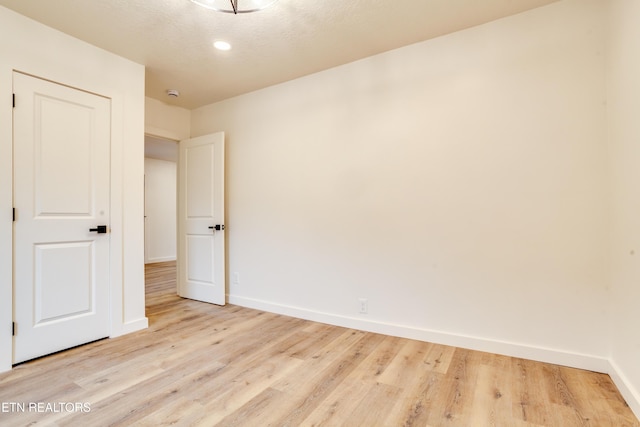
(201, 269)
(61, 177)
(62, 269)
(199, 253)
(62, 190)
(200, 196)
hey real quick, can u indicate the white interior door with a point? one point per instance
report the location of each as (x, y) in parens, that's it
(61, 191)
(201, 266)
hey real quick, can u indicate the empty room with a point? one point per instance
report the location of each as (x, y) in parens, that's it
(374, 213)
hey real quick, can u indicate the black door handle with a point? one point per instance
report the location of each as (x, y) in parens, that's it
(100, 229)
(217, 227)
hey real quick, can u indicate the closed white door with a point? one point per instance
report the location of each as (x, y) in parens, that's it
(201, 265)
(61, 196)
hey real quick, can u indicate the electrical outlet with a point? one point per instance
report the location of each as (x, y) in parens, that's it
(236, 278)
(364, 305)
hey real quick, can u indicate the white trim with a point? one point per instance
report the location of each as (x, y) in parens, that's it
(626, 388)
(156, 132)
(6, 223)
(134, 326)
(525, 351)
(160, 259)
(546, 355)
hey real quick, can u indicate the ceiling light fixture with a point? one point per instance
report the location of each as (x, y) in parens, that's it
(221, 45)
(235, 6)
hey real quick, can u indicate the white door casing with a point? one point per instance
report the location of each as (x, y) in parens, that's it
(201, 258)
(61, 191)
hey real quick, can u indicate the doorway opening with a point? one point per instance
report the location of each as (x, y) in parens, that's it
(160, 195)
(160, 198)
(184, 213)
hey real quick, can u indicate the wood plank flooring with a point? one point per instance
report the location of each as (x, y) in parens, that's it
(203, 365)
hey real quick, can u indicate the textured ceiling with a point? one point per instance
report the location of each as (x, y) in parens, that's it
(293, 38)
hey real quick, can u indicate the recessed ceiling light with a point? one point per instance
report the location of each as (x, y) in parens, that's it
(221, 45)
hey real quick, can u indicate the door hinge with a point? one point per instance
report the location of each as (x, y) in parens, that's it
(14, 100)
(14, 214)
(13, 329)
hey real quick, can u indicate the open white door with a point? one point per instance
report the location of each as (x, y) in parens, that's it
(201, 265)
(61, 195)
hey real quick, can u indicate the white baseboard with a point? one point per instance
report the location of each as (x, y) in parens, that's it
(547, 355)
(160, 259)
(627, 390)
(127, 328)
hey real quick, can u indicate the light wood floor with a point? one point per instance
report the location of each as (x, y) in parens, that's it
(200, 364)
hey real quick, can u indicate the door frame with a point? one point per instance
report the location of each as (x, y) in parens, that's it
(42, 103)
(177, 136)
(126, 280)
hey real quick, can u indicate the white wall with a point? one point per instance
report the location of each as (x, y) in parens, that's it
(160, 210)
(624, 137)
(38, 50)
(457, 184)
(161, 149)
(166, 121)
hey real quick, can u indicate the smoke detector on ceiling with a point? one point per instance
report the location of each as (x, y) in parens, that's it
(173, 93)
